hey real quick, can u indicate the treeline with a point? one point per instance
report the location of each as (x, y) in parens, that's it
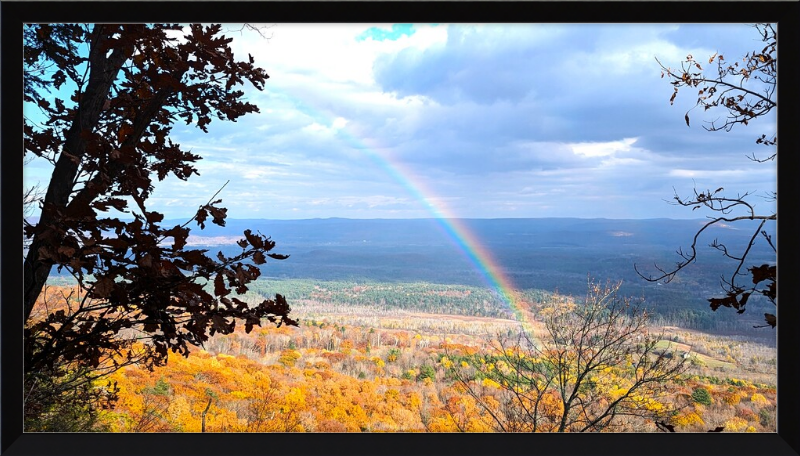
(414, 296)
(668, 305)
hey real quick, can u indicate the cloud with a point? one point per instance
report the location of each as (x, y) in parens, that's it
(602, 149)
(478, 63)
(381, 33)
(517, 120)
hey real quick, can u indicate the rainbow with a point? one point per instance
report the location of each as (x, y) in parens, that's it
(455, 228)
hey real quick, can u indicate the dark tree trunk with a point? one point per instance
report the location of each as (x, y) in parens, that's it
(203, 416)
(103, 70)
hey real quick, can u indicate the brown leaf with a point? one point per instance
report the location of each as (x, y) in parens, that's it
(78, 209)
(770, 319)
(168, 269)
(728, 301)
(201, 216)
(76, 264)
(103, 287)
(763, 272)
(115, 243)
(218, 214)
(66, 251)
(194, 257)
(124, 131)
(254, 240)
(219, 286)
(146, 261)
(46, 253)
(687, 119)
(154, 217)
(179, 235)
(258, 258)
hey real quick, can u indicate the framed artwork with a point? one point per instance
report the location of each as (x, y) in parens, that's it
(397, 228)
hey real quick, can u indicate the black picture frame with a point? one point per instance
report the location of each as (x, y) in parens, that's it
(14, 442)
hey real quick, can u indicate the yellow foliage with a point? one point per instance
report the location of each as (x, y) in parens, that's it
(736, 424)
(490, 383)
(414, 400)
(294, 400)
(179, 412)
(759, 399)
(616, 392)
(648, 403)
(688, 419)
(239, 395)
(731, 399)
(289, 357)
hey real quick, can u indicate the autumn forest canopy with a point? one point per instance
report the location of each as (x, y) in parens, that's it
(137, 320)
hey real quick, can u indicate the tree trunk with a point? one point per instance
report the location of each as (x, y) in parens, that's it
(203, 416)
(102, 73)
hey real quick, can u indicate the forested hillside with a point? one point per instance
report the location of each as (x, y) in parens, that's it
(542, 254)
(389, 360)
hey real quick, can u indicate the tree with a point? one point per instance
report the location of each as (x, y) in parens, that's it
(141, 292)
(701, 396)
(745, 92)
(595, 364)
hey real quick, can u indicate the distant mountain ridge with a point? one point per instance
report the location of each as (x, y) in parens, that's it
(333, 231)
(552, 254)
(546, 253)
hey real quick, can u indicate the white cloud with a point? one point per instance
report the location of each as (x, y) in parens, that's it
(602, 149)
(507, 120)
(327, 52)
(339, 123)
(708, 174)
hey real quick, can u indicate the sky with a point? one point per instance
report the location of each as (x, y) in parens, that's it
(469, 121)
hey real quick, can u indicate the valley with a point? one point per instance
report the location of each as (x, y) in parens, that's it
(391, 315)
(363, 363)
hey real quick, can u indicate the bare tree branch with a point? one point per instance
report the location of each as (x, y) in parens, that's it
(727, 91)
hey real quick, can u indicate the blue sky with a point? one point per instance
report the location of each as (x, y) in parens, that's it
(479, 121)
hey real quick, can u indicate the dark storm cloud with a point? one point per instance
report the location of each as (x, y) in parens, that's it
(500, 86)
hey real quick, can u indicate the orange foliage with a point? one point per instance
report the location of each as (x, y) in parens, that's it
(308, 388)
